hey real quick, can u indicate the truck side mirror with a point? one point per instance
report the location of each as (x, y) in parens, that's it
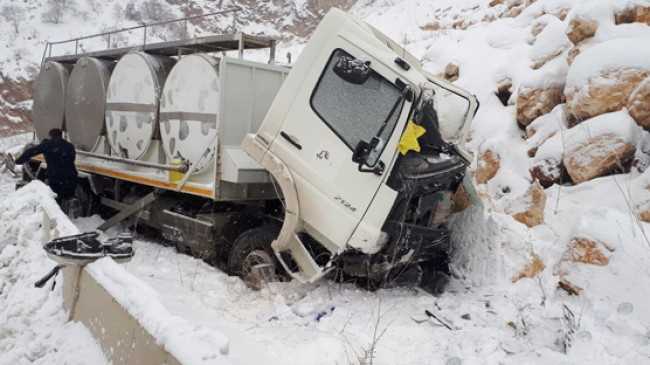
(367, 154)
(352, 70)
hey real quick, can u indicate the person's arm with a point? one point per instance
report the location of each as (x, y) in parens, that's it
(29, 153)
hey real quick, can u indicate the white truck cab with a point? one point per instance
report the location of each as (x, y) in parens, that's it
(331, 140)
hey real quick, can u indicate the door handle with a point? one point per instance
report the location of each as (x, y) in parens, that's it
(292, 140)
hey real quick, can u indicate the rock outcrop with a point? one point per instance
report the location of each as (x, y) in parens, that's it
(598, 156)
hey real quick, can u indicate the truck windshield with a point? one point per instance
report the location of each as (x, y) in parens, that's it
(355, 112)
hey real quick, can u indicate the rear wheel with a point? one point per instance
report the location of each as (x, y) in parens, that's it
(252, 257)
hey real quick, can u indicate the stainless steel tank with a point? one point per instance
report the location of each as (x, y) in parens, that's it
(189, 110)
(85, 101)
(132, 102)
(49, 90)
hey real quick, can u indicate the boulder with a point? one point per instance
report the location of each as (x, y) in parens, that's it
(602, 77)
(588, 251)
(638, 104)
(579, 147)
(529, 209)
(534, 267)
(535, 102)
(488, 166)
(633, 14)
(580, 29)
(452, 71)
(547, 171)
(607, 93)
(495, 2)
(598, 156)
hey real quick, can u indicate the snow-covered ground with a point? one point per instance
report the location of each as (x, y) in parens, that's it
(485, 316)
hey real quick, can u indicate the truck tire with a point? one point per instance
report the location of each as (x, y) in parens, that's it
(252, 257)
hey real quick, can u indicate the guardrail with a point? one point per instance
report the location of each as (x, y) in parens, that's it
(144, 27)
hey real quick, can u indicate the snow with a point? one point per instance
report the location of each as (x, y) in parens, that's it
(550, 42)
(33, 328)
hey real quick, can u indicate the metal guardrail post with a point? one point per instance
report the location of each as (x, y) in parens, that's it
(144, 42)
(241, 45)
(47, 45)
(76, 46)
(272, 52)
(108, 41)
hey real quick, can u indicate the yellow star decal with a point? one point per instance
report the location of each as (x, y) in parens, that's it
(409, 140)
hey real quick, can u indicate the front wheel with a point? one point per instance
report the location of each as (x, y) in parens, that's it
(252, 257)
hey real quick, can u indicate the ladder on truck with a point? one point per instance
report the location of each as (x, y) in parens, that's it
(73, 49)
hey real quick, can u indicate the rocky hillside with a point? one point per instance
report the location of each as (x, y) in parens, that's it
(25, 26)
(562, 149)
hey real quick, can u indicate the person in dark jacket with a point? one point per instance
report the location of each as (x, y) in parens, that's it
(59, 157)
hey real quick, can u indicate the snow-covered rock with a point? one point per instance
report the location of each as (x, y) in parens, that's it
(639, 104)
(602, 77)
(529, 209)
(633, 12)
(576, 145)
(531, 270)
(535, 102)
(588, 251)
(598, 156)
(488, 166)
(550, 43)
(581, 29)
(545, 127)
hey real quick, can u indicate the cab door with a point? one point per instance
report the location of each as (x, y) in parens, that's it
(323, 126)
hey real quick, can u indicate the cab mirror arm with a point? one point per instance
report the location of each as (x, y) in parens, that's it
(362, 154)
(377, 170)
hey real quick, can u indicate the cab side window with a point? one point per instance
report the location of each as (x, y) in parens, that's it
(355, 111)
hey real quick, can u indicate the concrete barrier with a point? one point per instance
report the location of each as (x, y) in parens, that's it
(122, 338)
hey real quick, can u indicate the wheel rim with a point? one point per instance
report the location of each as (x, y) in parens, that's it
(258, 268)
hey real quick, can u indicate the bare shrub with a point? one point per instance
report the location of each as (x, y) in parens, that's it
(14, 15)
(56, 9)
